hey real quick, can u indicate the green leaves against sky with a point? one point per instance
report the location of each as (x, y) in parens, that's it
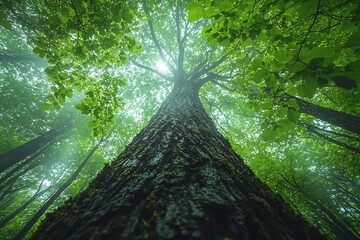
(99, 58)
(85, 44)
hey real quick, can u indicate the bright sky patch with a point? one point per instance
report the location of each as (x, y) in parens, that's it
(161, 66)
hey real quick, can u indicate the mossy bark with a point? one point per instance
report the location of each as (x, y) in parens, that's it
(178, 179)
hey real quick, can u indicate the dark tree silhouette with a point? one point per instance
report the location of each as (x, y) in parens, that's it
(17, 154)
(340, 119)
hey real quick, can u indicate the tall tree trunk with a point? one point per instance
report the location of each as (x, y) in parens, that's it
(336, 226)
(178, 179)
(21, 166)
(17, 154)
(38, 193)
(340, 119)
(7, 187)
(22, 233)
(314, 130)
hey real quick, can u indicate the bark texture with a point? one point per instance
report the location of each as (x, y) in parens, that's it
(178, 179)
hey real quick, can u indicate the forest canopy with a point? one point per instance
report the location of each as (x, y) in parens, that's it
(80, 78)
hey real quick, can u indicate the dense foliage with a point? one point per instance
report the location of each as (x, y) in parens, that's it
(80, 62)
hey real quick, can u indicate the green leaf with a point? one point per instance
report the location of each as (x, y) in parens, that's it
(85, 111)
(344, 82)
(51, 98)
(224, 5)
(271, 81)
(64, 19)
(268, 134)
(79, 106)
(282, 112)
(286, 125)
(46, 107)
(259, 76)
(293, 115)
(57, 106)
(69, 93)
(322, 82)
(50, 71)
(40, 52)
(196, 12)
(308, 86)
(298, 67)
(3, 21)
(353, 40)
(320, 52)
(127, 16)
(307, 8)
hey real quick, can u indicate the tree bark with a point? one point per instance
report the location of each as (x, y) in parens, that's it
(340, 119)
(178, 179)
(17, 154)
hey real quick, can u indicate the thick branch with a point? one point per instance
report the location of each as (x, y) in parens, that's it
(178, 30)
(213, 76)
(213, 66)
(197, 74)
(152, 70)
(200, 65)
(221, 85)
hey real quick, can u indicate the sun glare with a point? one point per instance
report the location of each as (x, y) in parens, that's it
(161, 66)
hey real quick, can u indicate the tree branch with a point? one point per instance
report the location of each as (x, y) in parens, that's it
(151, 70)
(178, 30)
(170, 55)
(180, 62)
(155, 40)
(198, 72)
(213, 66)
(222, 85)
(299, 50)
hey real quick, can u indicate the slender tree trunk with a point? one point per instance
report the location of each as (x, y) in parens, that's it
(22, 207)
(178, 179)
(7, 187)
(17, 154)
(340, 119)
(10, 173)
(22, 233)
(314, 131)
(337, 227)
